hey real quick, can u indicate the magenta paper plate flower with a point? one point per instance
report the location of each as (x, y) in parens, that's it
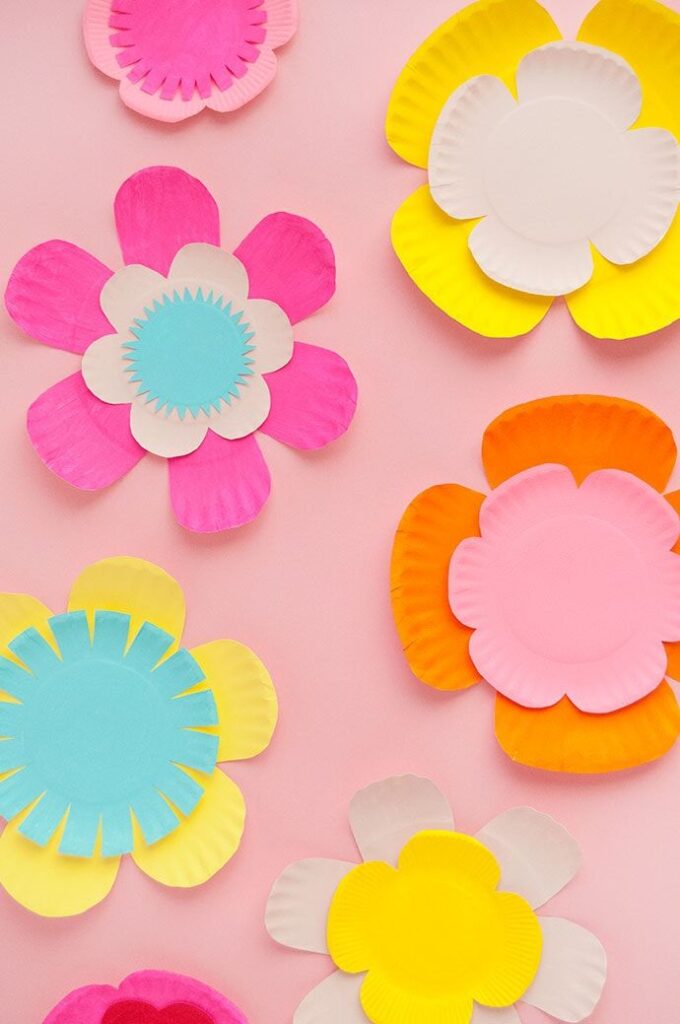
(147, 997)
(173, 59)
(186, 351)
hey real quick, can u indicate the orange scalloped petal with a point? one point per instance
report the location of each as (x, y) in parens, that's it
(434, 641)
(564, 739)
(582, 432)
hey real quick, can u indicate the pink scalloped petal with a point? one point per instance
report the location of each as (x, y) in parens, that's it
(168, 110)
(80, 438)
(160, 209)
(290, 261)
(53, 295)
(256, 77)
(97, 36)
(85, 1005)
(314, 398)
(222, 485)
(282, 21)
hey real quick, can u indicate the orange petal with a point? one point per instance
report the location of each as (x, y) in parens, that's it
(564, 739)
(434, 642)
(583, 432)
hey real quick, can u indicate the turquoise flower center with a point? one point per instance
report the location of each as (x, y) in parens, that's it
(190, 353)
(96, 732)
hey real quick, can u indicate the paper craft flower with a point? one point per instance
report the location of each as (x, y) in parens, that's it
(186, 351)
(147, 997)
(436, 924)
(174, 59)
(553, 167)
(561, 588)
(109, 737)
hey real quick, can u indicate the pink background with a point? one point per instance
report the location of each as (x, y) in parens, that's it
(307, 584)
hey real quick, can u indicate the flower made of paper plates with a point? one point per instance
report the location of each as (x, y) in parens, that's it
(147, 997)
(561, 588)
(186, 351)
(437, 925)
(110, 734)
(553, 167)
(173, 59)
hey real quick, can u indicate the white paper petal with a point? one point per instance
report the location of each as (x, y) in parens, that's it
(385, 815)
(537, 855)
(246, 413)
(273, 332)
(211, 267)
(527, 265)
(495, 1015)
(653, 169)
(297, 908)
(103, 369)
(578, 71)
(124, 295)
(572, 971)
(456, 161)
(335, 1001)
(165, 435)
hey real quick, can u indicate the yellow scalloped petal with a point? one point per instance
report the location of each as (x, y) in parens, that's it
(629, 301)
(489, 37)
(49, 883)
(356, 914)
(245, 696)
(133, 586)
(385, 1002)
(203, 842)
(647, 34)
(17, 613)
(433, 249)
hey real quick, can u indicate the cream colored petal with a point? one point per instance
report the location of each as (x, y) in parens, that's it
(163, 435)
(335, 1001)
(273, 332)
(246, 413)
(125, 295)
(104, 370)
(211, 267)
(572, 972)
(386, 814)
(297, 908)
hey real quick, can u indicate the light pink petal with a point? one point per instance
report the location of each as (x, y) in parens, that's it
(572, 971)
(97, 36)
(53, 295)
(290, 261)
(163, 988)
(84, 1005)
(154, 105)
(282, 21)
(257, 77)
(314, 398)
(160, 209)
(221, 485)
(80, 438)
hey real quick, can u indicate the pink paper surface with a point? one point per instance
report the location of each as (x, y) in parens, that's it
(307, 585)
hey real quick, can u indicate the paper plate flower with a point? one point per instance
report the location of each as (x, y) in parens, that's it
(436, 924)
(186, 351)
(110, 733)
(561, 588)
(147, 997)
(174, 59)
(553, 167)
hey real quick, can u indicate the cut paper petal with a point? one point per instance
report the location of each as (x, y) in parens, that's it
(433, 249)
(245, 697)
(335, 1001)
(159, 210)
(384, 815)
(291, 262)
(53, 295)
(163, 435)
(223, 484)
(125, 294)
(313, 398)
(243, 417)
(104, 372)
(273, 335)
(486, 37)
(582, 432)
(572, 971)
(564, 739)
(208, 264)
(81, 439)
(298, 904)
(170, 111)
(537, 855)
(203, 843)
(434, 642)
(257, 77)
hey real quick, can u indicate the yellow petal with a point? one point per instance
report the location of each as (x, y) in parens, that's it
(17, 613)
(433, 249)
(203, 842)
(132, 586)
(355, 929)
(48, 882)
(489, 37)
(245, 696)
(647, 35)
(629, 301)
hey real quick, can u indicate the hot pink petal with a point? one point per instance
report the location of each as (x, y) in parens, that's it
(313, 398)
(221, 485)
(161, 989)
(290, 261)
(80, 438)
(53, 295)
(160, 209)
(86, 1005)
